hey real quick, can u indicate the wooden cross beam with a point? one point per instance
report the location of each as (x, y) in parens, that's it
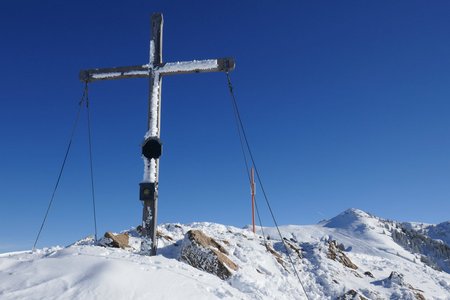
(151, 148)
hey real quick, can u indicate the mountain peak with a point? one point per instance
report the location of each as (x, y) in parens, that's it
(350, 219)
(356, 212)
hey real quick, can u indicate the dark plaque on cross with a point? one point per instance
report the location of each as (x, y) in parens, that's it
(152, 147)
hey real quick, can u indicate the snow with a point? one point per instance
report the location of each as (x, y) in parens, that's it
(146, 177)
(188, 66)
(106, 75)
(154, 107)
(86, 271)
(136, 73)
(149, 170)
(112, 75)
(81, 272)
(152, 52)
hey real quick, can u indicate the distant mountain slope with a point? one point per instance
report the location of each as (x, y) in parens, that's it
(440, 231)
(351, 256)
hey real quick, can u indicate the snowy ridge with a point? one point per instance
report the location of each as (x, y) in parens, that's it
(383, 269)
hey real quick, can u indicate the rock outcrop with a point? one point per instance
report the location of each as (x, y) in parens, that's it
(293, 246)
(205, 253)
(336, 254)
(276, 255)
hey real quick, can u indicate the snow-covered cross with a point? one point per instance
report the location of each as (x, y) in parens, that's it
(152, 148)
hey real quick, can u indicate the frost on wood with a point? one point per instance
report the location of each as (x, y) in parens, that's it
(147, 242)
(150, 165)
(106, 75)
(136, 73)
(148, 221)
(146, 246)
(153, 129)
(149, 170)
(204, 253)
(189, 66)
(152, 52)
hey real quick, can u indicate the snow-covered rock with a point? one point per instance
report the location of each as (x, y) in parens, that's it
(404, 290)
(205, 253)
(336, 253)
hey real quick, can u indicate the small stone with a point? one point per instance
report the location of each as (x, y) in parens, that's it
(367, 273)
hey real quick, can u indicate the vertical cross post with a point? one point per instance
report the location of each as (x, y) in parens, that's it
(152, 147)
(152, 141)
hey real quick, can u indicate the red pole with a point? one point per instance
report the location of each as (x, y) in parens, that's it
(253, 199)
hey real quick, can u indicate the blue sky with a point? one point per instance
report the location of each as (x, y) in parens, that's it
(346, 104)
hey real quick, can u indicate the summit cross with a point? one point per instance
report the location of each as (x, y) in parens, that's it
(152, 147)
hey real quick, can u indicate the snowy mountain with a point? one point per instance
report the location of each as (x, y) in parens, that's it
(439, 232)
(354, 255)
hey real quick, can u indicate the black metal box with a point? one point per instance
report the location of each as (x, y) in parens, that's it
(146, 191)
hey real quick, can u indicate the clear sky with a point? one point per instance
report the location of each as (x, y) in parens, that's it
(346, 104)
